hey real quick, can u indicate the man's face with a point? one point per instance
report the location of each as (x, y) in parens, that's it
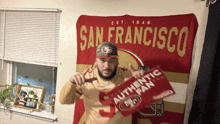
(107, 65)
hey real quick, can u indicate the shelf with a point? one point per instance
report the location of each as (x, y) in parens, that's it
(37, 115)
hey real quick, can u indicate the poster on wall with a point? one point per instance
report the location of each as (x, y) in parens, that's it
(166, 41)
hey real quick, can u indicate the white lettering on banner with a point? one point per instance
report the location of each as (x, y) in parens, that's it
(141, 80)
(139, 86)
(130, 88)
(116, 100)
(125, 91)
(156, 73)
(149, 84)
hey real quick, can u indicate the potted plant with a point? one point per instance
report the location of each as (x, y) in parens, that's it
(6, 96)
(49, 107)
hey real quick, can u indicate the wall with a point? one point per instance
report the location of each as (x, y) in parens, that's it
(3, 72)
(72, 9)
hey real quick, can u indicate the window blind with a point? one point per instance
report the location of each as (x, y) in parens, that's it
(30, 37)
(2, 18)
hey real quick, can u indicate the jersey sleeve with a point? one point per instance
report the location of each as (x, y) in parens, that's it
(69, 93)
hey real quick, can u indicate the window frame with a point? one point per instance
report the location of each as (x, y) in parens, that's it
(41, 115)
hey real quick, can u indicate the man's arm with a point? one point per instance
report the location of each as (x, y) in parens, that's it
(70, 92)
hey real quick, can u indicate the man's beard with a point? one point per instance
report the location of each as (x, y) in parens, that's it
(109, 77)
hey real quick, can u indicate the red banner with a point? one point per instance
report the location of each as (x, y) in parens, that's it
(166, 41)
(134, 94)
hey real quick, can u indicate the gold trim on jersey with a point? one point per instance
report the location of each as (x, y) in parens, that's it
(81, 97)
(82, 119)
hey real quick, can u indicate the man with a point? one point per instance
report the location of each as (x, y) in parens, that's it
(99, 109)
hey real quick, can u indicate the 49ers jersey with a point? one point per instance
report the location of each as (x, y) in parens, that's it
(99, 109)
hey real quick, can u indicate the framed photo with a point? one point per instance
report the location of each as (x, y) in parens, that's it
(29, 97)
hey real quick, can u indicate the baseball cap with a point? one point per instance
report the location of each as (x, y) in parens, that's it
(106, 49)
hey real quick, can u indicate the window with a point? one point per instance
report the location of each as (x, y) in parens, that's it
(29, 42)
(36, 75)
(3, 73)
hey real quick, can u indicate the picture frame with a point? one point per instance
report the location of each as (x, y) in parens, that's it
(29, 97)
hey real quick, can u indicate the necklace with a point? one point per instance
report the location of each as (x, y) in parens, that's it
(106, 84)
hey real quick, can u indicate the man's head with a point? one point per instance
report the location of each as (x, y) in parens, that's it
(107, 60)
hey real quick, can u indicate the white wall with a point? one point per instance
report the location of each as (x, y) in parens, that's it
(72, 9)
(3, 72)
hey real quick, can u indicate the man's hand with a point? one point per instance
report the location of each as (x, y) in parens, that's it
(79, 79)
(136, 73)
